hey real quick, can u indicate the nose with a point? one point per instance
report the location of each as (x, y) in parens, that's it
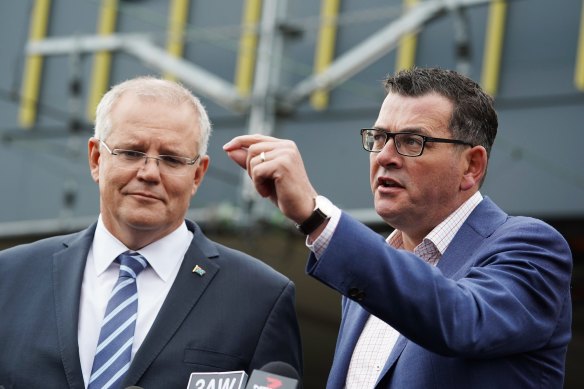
(388, 155)
(150, 170)
(156, 160)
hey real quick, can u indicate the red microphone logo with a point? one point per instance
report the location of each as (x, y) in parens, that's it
(273, 383)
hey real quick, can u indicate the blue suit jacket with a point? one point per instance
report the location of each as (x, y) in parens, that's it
(239, 316)
(494, 313)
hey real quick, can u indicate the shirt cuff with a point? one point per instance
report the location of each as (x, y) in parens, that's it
(319, 245)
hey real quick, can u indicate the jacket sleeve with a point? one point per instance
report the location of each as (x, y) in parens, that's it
(509, 293)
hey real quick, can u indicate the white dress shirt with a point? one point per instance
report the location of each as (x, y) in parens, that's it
(101, 273)
(378, 338)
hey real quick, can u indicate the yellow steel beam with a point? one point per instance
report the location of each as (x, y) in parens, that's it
(33, 66)
(247, 46)
(102, 59)
(579, 71)
(494, 46)
(325, 47)
(406, 55)
(177, 22)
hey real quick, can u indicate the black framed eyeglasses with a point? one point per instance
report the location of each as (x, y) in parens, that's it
(408, 144)
(172, 165)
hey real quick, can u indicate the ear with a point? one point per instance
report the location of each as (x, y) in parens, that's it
(475, 167)
(94, 156)
(202, 167)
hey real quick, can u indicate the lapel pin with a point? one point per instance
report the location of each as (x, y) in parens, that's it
(199, 270)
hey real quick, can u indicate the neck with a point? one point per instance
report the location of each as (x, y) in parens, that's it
(137, 238)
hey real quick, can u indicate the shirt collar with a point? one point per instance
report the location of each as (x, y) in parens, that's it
(444, 232)
(162, 255)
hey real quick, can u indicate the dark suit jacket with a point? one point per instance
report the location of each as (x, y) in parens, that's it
(239, 316)
(495, 313)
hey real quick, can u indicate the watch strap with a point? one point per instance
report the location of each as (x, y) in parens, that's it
(312, 223)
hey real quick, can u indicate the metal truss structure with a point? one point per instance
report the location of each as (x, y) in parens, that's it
(267, 100)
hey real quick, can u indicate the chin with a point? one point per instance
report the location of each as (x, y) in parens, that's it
(386, 213)
(145, 220)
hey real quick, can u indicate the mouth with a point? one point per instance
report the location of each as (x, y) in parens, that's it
(385, 182)
(144, 195)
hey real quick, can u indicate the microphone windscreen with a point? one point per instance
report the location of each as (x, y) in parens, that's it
(281, 368)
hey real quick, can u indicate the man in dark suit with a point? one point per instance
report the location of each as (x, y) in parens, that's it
(460, 295)
(141, 297)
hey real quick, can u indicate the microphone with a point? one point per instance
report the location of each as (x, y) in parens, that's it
(218, 380)
(275, 375)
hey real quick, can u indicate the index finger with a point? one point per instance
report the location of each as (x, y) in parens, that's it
(245, 141)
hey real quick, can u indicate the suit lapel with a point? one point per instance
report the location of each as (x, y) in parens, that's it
(186, 290)
(399, 346)
(68, 267)
(460, 249)
(481, 223)
(354, 320)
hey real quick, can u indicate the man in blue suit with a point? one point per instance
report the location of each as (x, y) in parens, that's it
(141, 297)
(460, 295)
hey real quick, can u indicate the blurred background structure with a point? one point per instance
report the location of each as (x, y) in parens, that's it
(305, 70)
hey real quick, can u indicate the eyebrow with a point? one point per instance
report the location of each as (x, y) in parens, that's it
(413, 130)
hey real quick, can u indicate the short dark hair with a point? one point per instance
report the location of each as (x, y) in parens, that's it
(473, 120)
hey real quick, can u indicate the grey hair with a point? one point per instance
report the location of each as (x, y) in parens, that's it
(151, 87)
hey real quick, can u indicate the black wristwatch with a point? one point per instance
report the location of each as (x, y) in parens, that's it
(322, 212)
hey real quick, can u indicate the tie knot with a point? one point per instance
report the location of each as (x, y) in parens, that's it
(131, 264)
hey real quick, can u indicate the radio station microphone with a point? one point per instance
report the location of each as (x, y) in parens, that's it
(275, 375)
(218, 380)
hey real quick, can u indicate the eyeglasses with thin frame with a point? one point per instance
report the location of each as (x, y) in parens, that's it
(172, 165)
(408, 144)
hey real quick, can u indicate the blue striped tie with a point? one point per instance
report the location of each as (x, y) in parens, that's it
(114, 348)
